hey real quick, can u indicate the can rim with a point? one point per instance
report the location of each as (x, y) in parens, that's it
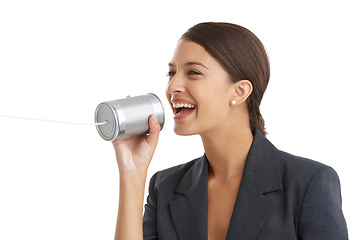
(116, 123)
(163, 111)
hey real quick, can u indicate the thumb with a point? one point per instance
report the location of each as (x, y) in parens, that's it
(154, 132)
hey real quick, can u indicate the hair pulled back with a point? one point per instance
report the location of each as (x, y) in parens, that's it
(242, 55)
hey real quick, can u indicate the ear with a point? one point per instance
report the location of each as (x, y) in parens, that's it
(242, 91)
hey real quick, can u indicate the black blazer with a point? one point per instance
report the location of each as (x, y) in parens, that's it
(281, 197)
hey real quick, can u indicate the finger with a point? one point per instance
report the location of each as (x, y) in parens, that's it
(154, 132)
(116, 141)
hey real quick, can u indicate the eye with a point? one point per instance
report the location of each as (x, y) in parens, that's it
(171, 74)
(193, 73)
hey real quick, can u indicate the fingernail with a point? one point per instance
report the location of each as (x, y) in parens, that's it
(154, 119)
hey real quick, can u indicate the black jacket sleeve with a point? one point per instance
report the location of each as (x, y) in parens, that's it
(321, 216)
(150, 231)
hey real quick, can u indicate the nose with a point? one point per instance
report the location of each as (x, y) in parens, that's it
(175, 85)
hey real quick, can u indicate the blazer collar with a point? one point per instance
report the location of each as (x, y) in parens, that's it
(252, 208)
(189, 206)
(261, 168)
(262, 165)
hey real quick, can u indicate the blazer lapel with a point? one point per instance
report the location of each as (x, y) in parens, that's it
(261, 175)
(252, 207)
(189, 206)
(250, 212)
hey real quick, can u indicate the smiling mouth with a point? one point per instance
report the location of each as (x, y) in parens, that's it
(183, 109)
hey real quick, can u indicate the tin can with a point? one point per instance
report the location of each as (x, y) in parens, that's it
(128, 117)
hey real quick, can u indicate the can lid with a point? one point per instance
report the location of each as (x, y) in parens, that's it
(104, 112)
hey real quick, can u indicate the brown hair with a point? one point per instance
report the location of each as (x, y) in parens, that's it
(242, 55)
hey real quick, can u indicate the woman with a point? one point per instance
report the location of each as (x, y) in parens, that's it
(243, 187)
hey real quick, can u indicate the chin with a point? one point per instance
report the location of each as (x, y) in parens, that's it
(183, 131)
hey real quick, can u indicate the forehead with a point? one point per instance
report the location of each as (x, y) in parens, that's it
(187, 51)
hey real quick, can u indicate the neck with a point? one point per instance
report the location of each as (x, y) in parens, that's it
(227, 151)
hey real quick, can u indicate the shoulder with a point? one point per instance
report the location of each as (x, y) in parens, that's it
(316, 193)
(269, 168)
(310, 184)
(302, 169)
(168, 179)
(312, 190)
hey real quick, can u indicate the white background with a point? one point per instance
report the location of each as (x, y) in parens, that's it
(60, 59)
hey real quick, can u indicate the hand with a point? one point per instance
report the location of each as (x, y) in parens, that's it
(134, 154)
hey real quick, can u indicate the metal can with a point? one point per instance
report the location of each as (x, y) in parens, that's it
(128, 117)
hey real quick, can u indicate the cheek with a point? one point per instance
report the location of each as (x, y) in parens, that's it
(215, 105)
(168, 97)
(214, 108)
(212, 112)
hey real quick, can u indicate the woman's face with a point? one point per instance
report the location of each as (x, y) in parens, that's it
(199, 90)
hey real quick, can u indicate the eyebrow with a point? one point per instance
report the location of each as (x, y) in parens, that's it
(190, 64)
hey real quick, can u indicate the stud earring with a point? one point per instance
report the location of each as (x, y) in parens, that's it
(233, 102)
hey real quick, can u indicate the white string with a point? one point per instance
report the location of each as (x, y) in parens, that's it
(53, 121)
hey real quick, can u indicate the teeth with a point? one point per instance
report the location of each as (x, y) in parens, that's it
(181, 105)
